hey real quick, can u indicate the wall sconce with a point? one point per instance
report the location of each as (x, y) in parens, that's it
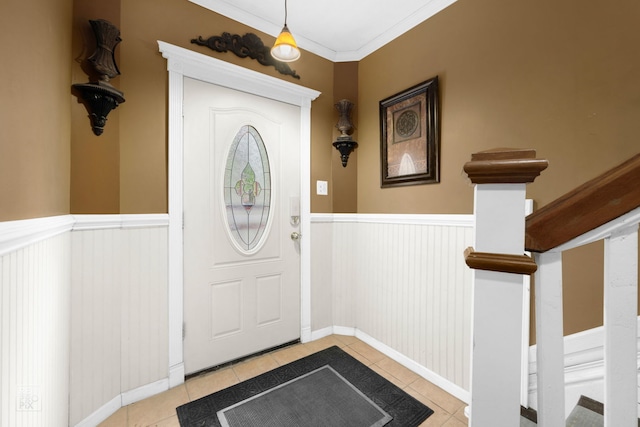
(345, 143)
(101, 97)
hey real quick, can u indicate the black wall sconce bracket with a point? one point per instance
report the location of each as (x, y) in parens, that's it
(345, 146)
(101, 97)
(345, 143)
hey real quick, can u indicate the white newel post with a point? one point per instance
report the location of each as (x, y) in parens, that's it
(499, 262)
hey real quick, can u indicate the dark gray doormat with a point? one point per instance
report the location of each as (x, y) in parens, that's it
(320, 397)
(404, 409)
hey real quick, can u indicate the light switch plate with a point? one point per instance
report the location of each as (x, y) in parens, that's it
(322, 188)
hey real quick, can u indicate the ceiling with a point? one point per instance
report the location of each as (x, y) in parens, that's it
(338, 30)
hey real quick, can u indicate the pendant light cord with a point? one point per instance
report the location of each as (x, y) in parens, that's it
(285, 13)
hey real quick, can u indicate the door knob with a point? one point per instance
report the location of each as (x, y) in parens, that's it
(295, 235)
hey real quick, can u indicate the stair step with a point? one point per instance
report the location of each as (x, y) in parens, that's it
(586, 413)
(528, 417)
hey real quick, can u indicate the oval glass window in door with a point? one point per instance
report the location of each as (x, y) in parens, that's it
(247, 189)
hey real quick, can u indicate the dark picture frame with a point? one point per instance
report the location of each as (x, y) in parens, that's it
(410, 136)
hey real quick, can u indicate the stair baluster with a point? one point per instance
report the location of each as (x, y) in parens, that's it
(549, 339)
(620, 325)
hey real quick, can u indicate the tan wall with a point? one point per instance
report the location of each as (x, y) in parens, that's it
(35, 42)
(559, 77)
(95, 160)
(344, 189)
(144, 81)
(50, 161)
(125, 169)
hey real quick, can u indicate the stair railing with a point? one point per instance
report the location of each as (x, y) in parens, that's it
(606, 208)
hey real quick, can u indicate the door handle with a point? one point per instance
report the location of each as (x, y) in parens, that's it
(295, 235)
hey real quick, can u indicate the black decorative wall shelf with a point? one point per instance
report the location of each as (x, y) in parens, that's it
(101, 97)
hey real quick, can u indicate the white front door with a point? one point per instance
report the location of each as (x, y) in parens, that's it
(241, 187)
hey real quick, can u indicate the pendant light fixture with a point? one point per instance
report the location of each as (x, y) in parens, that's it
(285, 48)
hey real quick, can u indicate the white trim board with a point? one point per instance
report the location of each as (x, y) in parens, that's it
(101, 222)
(21, 233)
(454, 220)
(413, 366)
(584, 360)
(124, 399)
(583, 364)
(583, 357)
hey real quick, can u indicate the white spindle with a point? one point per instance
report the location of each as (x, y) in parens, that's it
(620, 323)
(549, 340)
(526, 315)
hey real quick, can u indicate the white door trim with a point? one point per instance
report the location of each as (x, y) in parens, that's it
(185, 63)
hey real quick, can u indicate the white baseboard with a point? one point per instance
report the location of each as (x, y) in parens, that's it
(305, 335)
(345, 330)
(583, 367)
(325, 332)
(148, 390)
(102, 413)
(176, 375)
(583, 357)
(124, 399)
(425, 373)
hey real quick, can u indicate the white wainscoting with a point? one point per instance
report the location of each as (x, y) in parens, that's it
(83, 317)
(119, 313)
(400, 282)
(34, 322)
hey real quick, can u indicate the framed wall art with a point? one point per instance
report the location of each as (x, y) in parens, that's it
(410, 136)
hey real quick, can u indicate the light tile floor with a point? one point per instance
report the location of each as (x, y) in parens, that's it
(159, 410)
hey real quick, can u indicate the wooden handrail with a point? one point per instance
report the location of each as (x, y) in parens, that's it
(591, 205)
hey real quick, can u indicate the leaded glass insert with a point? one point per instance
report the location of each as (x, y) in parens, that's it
(247, 189)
